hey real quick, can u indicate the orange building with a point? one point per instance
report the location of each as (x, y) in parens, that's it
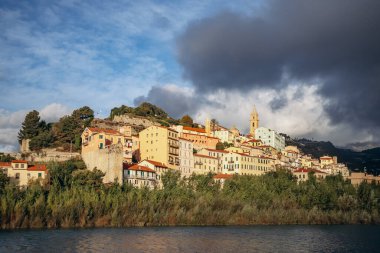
(201, 141)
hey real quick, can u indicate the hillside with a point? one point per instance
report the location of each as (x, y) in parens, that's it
(358, 161)
(367, 159)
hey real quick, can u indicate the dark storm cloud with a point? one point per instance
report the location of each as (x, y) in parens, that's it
(334, 43)
(278, 103)
(174, 101)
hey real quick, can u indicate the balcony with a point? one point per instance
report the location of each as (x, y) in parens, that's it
(174, 145)
(173, 152)
(140, 177)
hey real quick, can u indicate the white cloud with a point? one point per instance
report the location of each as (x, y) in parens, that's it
(301, 115)
(10, 123)
(52, 112)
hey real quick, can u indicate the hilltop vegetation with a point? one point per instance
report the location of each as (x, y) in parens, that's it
(76, 198)
(144, 110)
(153, 113)
(65, 133)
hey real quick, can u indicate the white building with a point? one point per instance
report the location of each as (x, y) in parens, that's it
(270, 137)
(139, 176)
(224, 136)
(186, 157)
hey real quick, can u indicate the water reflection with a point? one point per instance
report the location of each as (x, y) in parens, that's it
(195, 239)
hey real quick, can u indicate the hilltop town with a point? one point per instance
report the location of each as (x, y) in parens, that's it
(137, 150)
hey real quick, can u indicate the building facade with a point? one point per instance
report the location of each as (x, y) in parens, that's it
(160, 144)
(186, 157)
(104, 149)
(270, 137)
(302, 174)
(139, 176)
(20, 173)
(204, 164)
(245, 164)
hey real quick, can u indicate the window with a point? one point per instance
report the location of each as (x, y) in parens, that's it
(101, 145)
(28, 175)
(100, 136)
(22, 165)
(39, 175)
(17, 165)
(17, 176)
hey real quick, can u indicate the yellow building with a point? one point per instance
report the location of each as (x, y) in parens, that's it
(269, 150)
(94, 138)
(106, 150)
(326, 160)
(235, 132)
(98, 138)
(306, 161)
(235, 149)
(160, 144)
(253, 151)
(21, 173)
(204, 164)
(253, 142)
(244, 164)
(214, 153)
(302, 174)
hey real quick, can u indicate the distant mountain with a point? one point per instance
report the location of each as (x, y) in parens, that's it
(360, 146)
(357, 161)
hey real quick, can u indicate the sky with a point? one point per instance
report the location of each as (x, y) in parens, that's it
(312, 68)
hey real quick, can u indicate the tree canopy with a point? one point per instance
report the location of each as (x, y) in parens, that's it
(186, 120)
(30, 127)
(145, 109)
(65, 132)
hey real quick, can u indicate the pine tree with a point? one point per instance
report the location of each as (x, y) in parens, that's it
(30, 127)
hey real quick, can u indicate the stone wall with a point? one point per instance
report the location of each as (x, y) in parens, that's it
(50, 154)
(109, 160)
(24, 147)
(135, 121)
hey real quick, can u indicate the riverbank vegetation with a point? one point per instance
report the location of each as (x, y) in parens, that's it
(76, 197)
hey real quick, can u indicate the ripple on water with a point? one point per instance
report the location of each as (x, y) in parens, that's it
(195, 239)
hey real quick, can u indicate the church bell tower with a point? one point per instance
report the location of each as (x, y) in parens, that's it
(254, 121)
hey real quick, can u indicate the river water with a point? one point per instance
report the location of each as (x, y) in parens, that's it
(285, 238)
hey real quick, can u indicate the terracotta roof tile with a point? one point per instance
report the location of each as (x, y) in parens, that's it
(158, 164)
(223, 176)
(194, 129)
(5, 164)
(205, 156)
(217, 150)
(140, 168)
(37, 167)
(19, 161)
(304, 170)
